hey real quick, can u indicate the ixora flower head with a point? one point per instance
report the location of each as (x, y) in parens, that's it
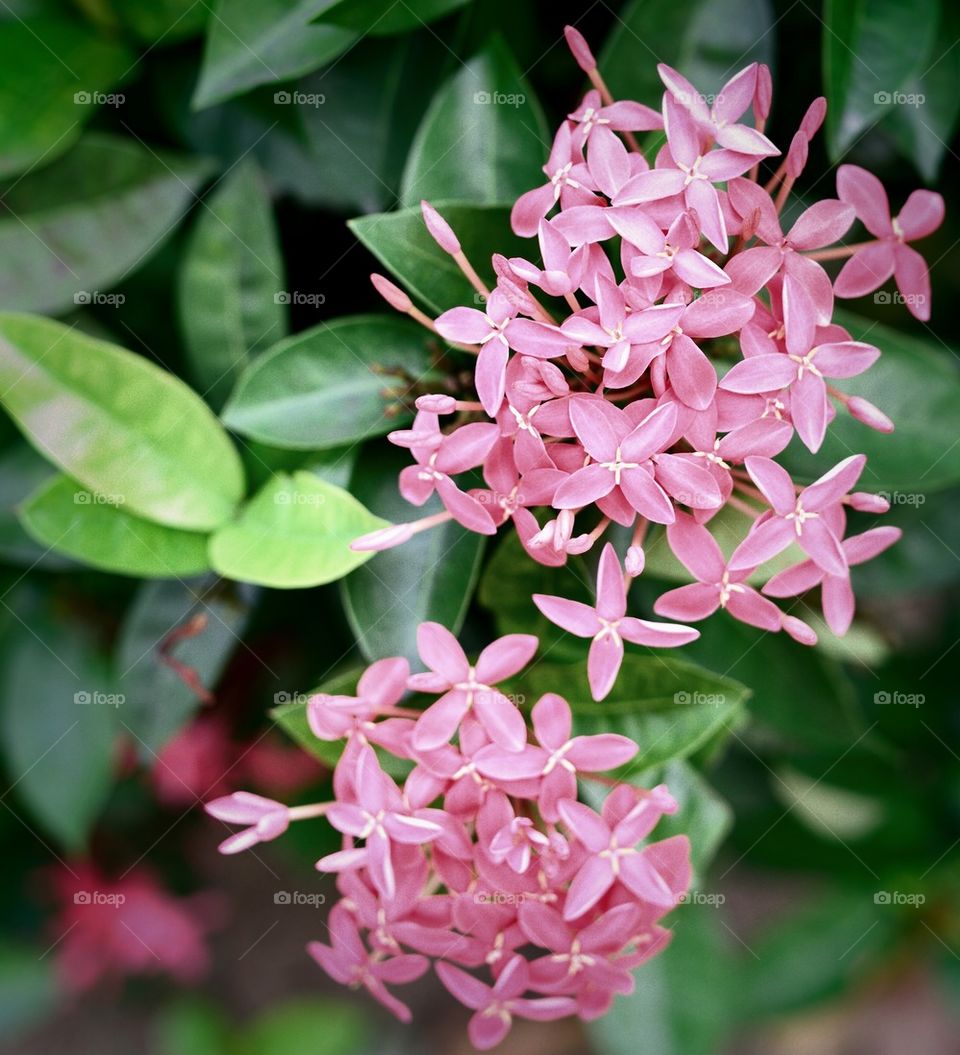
(481, 860)
(662, 345)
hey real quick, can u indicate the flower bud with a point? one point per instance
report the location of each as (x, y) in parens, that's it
(385, 538)
(813, 118)
(798, 630)
(580, 49)
(763, 93)
(866, 413)
(436, 404)
(864, 502)
(440, 230)
(635, 561)
(391, 293)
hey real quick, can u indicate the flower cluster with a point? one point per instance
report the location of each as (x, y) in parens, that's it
(482, 860)
(664, 344)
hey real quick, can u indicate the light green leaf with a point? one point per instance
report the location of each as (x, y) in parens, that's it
(431, 577)
(262, 43)
(231, 285)
(708, 41)
(74, 228)
(484, 138)
(54, 75)
(916, 384)
(22, 471)
(702, 815)
(95, 530)
(158, 701)
(58, 719)
(871, 50)
(118, 424)
(668, 706)
(383, 18)
(306, 1027)
(191, 1026)
(330, 385)
(399, 240)
(296, 531)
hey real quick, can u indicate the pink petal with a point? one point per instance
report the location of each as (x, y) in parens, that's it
(697, 271)
(749, 607)
(696, 549)
(464, 325)
(760, 373)
(467, 446)
(657, 635)
(833, 485)
(470, 991)
(465, 509)
(692, 375)
(490, 375)
(865, 271)
(640, 876)
(824, 223)
(650, 186)
(865, 193)
(585, 824)
(838, 603)
(603, 664)
(702, 197)
(693, 602)
(808, 409)
(552, 720)
(913, 281)
(646, 496)
(593, 429)
(652, 435)
(583, 487)
(487, 1031)
(572, 616)
(819, 542)
(441, 652)
(601, 752)
(717, 313)
(505, 657)
(589, 885)
(752, 269)
(611, 595)
(766, 541)
(529, 209)
(438, 723)
(921, 215)
(500, 718)
(775, 483)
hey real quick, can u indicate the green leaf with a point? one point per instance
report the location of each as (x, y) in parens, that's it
(915, 384)
(22, 471)
(163, 21)
(74, 228)
(662, 1016)
(296, 531)
(668, 706)
(706, 40)
(95, 530)
(28, 988)
(703, 815)
(328, 385)
(871, 50)
(484, 138)
(399, 240)
(359, 117)
(923, 119)
(383, 18)
(262, 43)
(191, 1026)
(54, 75)
(118, 424)
(158, 701)
(231, 286)
(59, 720)
(306, 1027)
(431, 577)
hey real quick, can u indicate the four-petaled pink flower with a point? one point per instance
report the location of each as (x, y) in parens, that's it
(266, 819)
(609, 625)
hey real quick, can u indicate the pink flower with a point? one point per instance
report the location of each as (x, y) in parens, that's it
(872, 265)
(618, 117)
(494, 1006)
(469, 689)
(347, 961)
(266, 819)
(609, 625)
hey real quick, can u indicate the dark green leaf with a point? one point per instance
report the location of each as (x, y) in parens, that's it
(399, 240)
(163, 21)
(74, 228)
(871, 50)
(915, 384)
(65, 517)
(59, 720)
(158, 701)
(262, 43)
(708, 41)
(703, 815)
(296, 531)
(232, 291)
(484, 138)
(22, 471)
(28, 988)
(54, 75)
(431, 577)
(118, 424)
(330, 385)
(360, 115)
(386, 17)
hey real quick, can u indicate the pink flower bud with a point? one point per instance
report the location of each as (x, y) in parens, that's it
(440, 230)
(385, 538)
(813, 118)
(797, 155)
(798, 630)
(580, 49)
(763, 93)
(635, 561)
(864, 502)
(578, 359)
(866, 413)
(437, 404)
(391, 293)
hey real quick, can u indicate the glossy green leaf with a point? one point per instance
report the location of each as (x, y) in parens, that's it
(916, 384)
(22, 471)
(702, 815)
(296, 531)
(359, 117)
(669, 706)
(158, 701)
(330, 385)
(871, 50)
(72, 229)
(707, 40)
(262, 43)
(924, 117)
(231, 287)
(55, 73)
(662, 1016)
(399, 240)
(58, 719)
(431, 577)
(484, 138)
(91, 528)
(118, 424)
(386, 17)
